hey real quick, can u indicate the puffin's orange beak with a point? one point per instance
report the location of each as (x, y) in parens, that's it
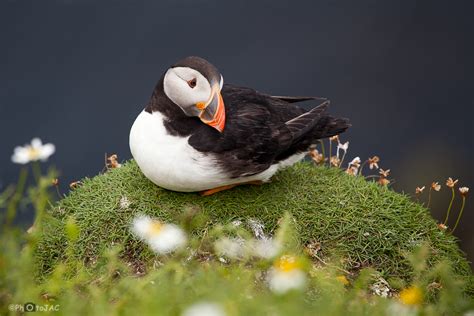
(213, 111)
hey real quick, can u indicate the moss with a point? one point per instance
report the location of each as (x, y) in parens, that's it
(354, 219)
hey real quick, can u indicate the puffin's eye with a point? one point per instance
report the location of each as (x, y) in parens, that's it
(192, 83)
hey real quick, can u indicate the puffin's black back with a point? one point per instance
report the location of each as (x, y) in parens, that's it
(261, 130)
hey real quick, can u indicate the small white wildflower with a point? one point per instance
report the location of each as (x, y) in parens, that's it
(353, 166)
(286, 275)
(464, 191)
(381, 288)
(237, 223)
(355, 162)
(233, 248)
(124, 202)
(265, 248)
(204, 309)
(33, 152)
(222, 260)
(161, 237)
(342, 147)
(397, 309)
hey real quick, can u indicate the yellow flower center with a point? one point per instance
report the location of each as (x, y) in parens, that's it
(411, 296)
(154, 229)
(286, 264)
(33, 153)
(342, 279)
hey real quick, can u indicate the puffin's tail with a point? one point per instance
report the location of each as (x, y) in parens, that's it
(328, 126)
(298, 134)
(315, 124)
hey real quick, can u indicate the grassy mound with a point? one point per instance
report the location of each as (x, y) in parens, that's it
(356, 220)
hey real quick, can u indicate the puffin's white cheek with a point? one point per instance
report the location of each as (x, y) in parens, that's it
(177, 88)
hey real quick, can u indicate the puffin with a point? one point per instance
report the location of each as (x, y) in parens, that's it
(197, 134)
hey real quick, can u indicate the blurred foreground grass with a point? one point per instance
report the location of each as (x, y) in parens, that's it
(361, 246)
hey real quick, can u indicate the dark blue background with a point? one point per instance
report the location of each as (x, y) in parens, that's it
(77, 72)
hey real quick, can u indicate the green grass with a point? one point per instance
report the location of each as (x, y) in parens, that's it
(81, 259)
(358, 222)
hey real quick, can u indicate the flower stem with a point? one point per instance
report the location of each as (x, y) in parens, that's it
(449, 207)
(372, 176)
(342, 159)
(429, 199)
(460, 213)
(35, 166)
(330, 152)
(323, 151)
(57, 191)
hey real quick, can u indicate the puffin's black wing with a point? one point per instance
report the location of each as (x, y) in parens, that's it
(302, 124)
(261, 130)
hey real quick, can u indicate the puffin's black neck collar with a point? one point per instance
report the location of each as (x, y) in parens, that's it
(177, 123)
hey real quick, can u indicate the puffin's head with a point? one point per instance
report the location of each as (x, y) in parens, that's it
(194, 85)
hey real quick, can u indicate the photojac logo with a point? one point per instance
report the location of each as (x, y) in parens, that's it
(32, 307)
(29, 307)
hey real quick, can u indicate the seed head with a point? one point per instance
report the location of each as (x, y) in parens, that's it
(435, 186)
(464, 191)
(384, 173)
(419, 190)
(316, 156)
(373, 162)
(335, 161)
(450, 183)
(442, 226)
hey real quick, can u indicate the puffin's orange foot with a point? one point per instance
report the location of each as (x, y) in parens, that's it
(228, 187)
(218, 189)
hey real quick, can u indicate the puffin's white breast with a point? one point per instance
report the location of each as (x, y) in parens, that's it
(170, 162)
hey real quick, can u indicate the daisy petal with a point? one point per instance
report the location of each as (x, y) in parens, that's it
(46, 151)
(141, 226)
(36, 143)
(20, 157)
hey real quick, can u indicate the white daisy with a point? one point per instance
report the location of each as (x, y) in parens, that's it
(286, 275)
(464, 191)
(265, 248)
(355, 162)
(342, 147)
(161, 237)
(353, 166)
(204, 309)
(33, 152)
(233, 248)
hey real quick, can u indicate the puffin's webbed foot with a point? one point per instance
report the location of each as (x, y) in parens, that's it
(228, 187)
